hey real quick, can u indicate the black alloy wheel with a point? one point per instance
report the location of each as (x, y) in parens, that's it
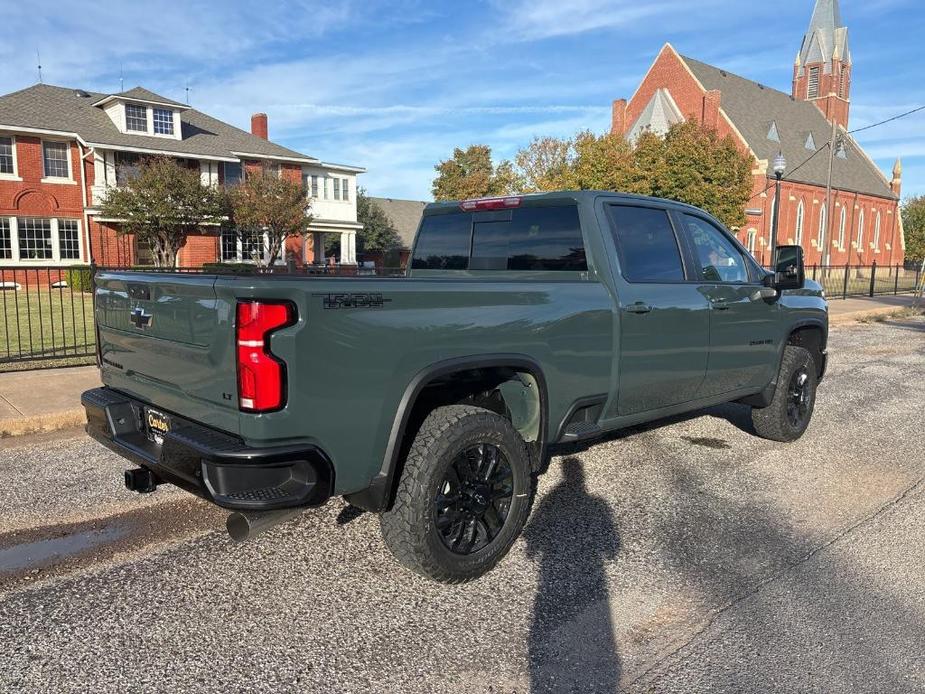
(473, 501)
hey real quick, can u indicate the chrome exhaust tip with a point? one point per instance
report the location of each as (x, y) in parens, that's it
(245, 525)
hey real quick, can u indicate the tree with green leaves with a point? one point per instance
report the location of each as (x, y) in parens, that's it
(470, 173)
(378, 233)
(162, 204)
(268, 204)
(690, 164)
(913, 211)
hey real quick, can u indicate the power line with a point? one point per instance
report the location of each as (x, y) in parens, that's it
(792, 171)
(888, 120)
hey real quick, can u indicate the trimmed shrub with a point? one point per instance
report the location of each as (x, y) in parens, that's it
(79, 278)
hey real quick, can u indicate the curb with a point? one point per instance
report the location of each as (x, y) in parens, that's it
(42, 423)
(856, 316)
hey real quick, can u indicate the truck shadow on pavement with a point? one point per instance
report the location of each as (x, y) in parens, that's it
(571, 642)
(790, 612)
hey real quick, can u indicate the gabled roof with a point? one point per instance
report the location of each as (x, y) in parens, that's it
(405, 216)
(142, 94)
(750, 106)
(65, 110)
(658, 116)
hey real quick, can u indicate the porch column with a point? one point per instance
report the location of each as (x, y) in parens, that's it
(318, 248)
(351, 246)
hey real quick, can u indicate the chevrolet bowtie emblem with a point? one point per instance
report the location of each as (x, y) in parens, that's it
(139, 318)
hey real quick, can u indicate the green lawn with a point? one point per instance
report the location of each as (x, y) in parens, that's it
(45, 323)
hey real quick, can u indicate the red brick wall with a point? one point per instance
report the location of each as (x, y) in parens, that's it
(813, 198)
(829, 102)
(200, 249)
(109, 248)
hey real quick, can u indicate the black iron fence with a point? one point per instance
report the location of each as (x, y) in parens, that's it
(47, 317)
(843, 281)
(47, 313)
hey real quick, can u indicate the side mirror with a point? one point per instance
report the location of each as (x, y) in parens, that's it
(789, 272)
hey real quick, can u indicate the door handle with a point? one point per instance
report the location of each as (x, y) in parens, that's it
(719, 304)
(638, 307)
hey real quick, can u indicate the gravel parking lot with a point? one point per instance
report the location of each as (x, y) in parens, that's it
(685, 556)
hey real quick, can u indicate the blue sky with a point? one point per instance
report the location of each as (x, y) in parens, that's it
(394, 86)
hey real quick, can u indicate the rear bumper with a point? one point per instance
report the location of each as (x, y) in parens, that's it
(207, 462)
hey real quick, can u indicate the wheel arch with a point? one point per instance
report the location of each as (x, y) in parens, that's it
(517, 378)
(812, 336)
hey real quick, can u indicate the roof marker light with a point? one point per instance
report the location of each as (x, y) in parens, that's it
(504, 203)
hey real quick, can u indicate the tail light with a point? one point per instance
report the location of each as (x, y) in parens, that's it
(261, 375)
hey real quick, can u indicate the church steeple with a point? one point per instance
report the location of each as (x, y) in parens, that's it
(822, 70)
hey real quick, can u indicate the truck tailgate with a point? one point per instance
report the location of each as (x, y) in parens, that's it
(168, 340)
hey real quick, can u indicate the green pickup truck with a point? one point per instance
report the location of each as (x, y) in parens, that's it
(434, 399)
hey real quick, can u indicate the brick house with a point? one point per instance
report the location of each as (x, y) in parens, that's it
(62, 149)
(858, 222)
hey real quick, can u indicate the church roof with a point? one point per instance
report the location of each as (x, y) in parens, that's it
(752, 106)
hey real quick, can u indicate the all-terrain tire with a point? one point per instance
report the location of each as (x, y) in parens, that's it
(791, 408)
(409, 528)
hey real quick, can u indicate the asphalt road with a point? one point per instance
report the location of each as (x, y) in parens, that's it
(684, 557)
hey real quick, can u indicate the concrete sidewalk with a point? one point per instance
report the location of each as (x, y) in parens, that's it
(43, 400)
(843, 311)
(49, 399)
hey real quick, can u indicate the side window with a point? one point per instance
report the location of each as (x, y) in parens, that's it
(443, 243)
(535, 238)
(646, 244)
(718, 259)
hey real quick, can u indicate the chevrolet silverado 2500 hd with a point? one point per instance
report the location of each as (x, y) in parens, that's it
(432, 399)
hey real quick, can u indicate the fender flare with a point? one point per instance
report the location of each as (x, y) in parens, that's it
(377, 496)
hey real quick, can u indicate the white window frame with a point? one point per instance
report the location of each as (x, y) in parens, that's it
(173, 122)
(877, 233)
(842, 227)
(239, 249)
(15, 175)
(798, 228)
(859, 241)
(56, 259)
(69, 180)
(133, 131)
(823, 227)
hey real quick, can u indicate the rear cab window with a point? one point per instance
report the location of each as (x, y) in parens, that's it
(541, 238)
(646, 244)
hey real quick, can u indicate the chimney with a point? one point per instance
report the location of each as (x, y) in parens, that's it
(618, 117)
(259, 125)
(711, 102)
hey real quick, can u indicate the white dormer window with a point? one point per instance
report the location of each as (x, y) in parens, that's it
(163, 121)
(136, 118)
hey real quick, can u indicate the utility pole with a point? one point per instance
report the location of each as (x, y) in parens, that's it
(829, 207)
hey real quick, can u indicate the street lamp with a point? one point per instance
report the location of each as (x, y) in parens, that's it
(779, 166)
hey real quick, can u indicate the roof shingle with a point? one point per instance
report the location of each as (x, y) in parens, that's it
(751, 106)
(47, 107)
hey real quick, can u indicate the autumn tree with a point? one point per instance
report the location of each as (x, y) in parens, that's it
(470, 173)
(161, 205)
(693, 164)
(267, 204)
(689, 164)
(547, 163)
(914, 225)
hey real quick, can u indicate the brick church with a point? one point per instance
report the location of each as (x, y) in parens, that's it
(858, 221)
